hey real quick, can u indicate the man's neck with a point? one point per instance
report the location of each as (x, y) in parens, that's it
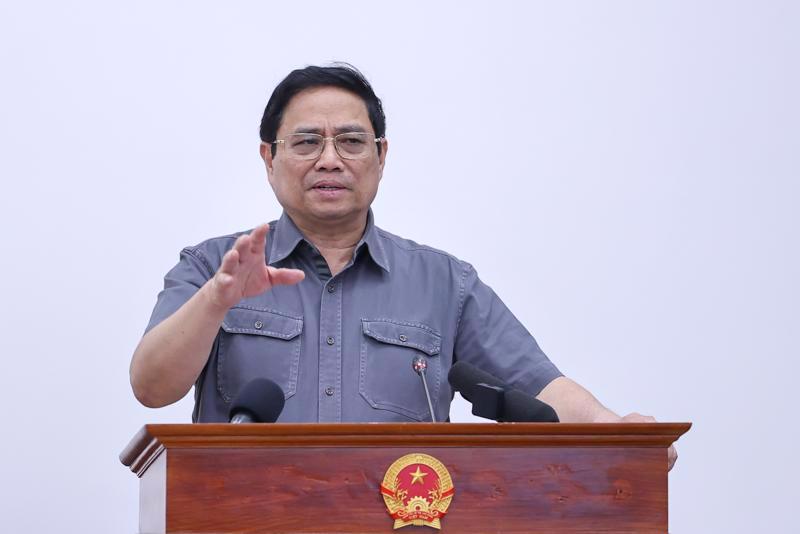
(336, 241)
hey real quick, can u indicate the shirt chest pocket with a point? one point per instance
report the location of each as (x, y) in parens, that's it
(258, 343)
(387, 380)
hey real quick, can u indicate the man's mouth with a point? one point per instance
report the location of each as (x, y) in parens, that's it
(328, 186)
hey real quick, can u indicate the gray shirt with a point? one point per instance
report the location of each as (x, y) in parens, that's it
(341, 346)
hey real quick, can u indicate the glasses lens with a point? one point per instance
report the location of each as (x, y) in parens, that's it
(304, 145)
(354, 145)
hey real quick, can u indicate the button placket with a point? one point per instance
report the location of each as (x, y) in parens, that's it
(330, 352)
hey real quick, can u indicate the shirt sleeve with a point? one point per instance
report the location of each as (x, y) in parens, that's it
(180, 284)
(492, 339)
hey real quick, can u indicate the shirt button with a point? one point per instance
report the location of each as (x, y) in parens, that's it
(258, 325)
(331, 341)
(329, 391)
(403, 338)
(331, 288)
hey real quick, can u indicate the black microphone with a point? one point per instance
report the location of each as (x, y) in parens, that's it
(259, 401)
(465, 379)
(420, 366)
(493, 399)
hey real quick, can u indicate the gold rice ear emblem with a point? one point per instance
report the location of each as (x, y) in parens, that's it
(417, 490)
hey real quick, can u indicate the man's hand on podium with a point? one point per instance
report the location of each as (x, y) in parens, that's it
(672, 454)
(574, 404)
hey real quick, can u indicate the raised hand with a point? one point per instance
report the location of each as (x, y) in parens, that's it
(244, 272)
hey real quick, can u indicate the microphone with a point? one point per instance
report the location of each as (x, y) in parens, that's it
(420, 366)
(465, 379)
(259, 401)
(493, 399)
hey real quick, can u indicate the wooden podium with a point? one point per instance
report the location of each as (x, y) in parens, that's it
(325, 478)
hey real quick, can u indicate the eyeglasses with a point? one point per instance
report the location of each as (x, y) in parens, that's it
(350, 145)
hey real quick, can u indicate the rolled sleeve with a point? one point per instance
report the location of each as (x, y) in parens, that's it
(492, 339)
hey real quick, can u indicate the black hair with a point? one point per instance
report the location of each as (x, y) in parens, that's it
(342, 75)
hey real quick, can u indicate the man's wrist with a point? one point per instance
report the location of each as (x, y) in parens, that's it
(213, 307)
(606, 416)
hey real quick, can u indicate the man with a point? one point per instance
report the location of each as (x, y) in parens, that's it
(322, 301)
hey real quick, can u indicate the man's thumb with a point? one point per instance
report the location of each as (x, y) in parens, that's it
(280, 277)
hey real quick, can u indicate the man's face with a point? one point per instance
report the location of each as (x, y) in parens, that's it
(329, 189)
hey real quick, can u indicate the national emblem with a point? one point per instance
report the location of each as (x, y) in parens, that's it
(417, 490)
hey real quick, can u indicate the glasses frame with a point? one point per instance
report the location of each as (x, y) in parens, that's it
(324, 140)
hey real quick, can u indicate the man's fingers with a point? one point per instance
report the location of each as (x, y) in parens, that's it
(230, 262)
(243, 246)
(258, 239)
(280, 277)
(251, 246)
(638, 418)
(672, 456)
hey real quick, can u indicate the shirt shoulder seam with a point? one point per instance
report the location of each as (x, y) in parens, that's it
(196, 251)
(393, 239)
(199, 256)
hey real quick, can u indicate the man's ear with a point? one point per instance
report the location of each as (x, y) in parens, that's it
(266, 154)
(382, 158)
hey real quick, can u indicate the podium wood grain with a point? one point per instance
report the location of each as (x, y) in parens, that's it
(325, 478)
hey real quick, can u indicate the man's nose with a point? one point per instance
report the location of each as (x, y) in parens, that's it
(329, 159)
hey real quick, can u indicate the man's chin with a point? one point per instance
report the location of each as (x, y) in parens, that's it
(336, 214)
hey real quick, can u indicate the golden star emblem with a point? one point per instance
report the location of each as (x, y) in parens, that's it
(417, 476)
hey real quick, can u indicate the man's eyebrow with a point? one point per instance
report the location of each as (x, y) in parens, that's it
(345, 128)
(348, 128)
(307, 129)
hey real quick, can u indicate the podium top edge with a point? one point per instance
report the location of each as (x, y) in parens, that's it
(152, 439)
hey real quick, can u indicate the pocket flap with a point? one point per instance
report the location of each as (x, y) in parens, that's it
(403, 334)
(262, 322)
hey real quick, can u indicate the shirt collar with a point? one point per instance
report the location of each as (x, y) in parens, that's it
(374, 243)
(286, 236)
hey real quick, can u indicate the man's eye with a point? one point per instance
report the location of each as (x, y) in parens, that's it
(352, 140)
(305, 141)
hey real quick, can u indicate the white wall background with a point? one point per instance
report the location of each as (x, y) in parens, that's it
(643, 223)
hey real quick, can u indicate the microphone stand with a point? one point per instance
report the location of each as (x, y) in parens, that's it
(420, 367)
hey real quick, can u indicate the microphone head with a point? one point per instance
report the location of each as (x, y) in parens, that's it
(261, 399)
(519, 407)
(465, 378)
(493, 399)
(419, 364)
